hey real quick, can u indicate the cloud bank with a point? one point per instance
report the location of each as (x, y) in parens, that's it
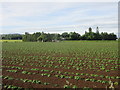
(58, 17)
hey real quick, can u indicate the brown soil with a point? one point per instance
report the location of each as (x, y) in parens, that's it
(54, 80)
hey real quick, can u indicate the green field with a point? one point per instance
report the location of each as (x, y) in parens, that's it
(66, 64)
(10, 40)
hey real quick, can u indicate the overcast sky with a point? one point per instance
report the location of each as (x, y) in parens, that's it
(58, 17)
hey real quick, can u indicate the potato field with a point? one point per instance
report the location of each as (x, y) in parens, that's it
(65, 64)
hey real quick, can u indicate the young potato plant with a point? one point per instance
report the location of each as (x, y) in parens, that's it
(12, 71)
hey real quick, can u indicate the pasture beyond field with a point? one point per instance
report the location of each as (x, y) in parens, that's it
(10, 40)
(66, 64)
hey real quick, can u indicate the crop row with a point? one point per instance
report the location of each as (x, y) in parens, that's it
(60, 72)
(101, 63)
(70, 77)
(52, 65)
(11, 87)
(28, 80)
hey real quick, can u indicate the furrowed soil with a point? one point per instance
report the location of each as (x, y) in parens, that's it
(56, 65)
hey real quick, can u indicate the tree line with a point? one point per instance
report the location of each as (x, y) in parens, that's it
(90, 35)
(44, 37)
(11, 36)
